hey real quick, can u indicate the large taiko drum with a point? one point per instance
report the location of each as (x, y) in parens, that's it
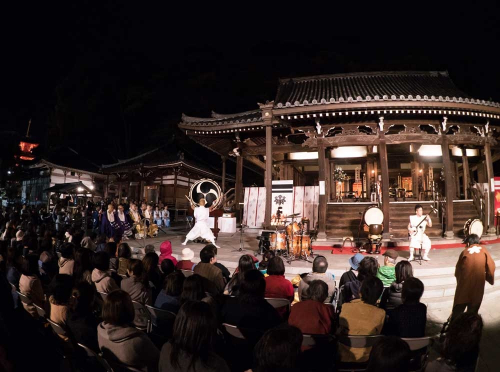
(473, 226)
(373, 218)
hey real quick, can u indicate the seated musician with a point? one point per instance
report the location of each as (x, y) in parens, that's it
(416, 229)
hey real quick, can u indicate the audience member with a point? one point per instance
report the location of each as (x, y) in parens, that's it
(387, 273)
(88, 243)
(101, 243)
(119, 341)
(389, 354)
(245, 264)
(474, 268)
(166, 252)
(225, 272)
(153, 273)
(367, 267)
(193, 290)
(30, 285)
(167, 267)
(277, 286)
(461, 345)
(250, 310)
(192, 345)
(362, 317)
(279, 349)
(59, 300)
(352, 274)
(66, 262)
(320, 267)
(408, 320)
(185, 262)
(213, 281)
(81, 321)
(111, 249)
(149, 248)
(313, 316)
(101, 276)
(48, 267)
(124, 255)
(83, 267)
(137, 283)
(265, 261)
(14, 263)
(392, 296)
(169, 296)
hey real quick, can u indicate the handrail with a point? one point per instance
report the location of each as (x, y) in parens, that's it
(480, 200)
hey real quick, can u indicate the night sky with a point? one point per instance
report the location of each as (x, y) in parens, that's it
(113, 78)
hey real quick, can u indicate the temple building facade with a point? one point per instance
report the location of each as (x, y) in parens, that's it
(390, 139)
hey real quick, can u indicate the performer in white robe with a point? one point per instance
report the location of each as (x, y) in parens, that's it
(200, 228)
(419, 238)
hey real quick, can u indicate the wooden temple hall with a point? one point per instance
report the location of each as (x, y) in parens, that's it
(390, 139)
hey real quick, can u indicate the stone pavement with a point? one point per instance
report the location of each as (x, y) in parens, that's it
(437, 275)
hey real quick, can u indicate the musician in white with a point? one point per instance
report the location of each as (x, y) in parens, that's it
(200, 228)
(417, 234)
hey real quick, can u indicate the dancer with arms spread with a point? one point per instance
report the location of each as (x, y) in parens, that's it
(200, 228)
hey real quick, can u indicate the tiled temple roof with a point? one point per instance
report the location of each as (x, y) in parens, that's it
(371, 86)
(247, 117)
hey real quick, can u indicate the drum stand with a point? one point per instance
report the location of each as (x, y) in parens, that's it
(241, 249)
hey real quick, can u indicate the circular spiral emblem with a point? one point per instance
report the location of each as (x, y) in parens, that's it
(205, 189)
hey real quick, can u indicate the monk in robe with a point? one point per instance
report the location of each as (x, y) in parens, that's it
(474, 267)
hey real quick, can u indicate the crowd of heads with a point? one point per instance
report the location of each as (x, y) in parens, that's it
(35, 249)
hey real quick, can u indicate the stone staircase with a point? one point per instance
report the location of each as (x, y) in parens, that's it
(400, 217)
(462, 211)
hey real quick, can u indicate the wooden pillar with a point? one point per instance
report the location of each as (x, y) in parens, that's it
(457, 180)
(269, 174)
(176, 171)
(385, 184)
(491, 183)
(322, 198)
(414, 175)
(449, 180)
(223, 186)
(238, 188)
(141, 193)
(331, 182)
(465, 168)
(106, 189)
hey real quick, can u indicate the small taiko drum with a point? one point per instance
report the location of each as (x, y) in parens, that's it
(293, 228)
(473, 226)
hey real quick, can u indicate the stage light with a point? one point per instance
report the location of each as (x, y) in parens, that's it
(456, 151)
(91, 187)
(430, 150)
(349, 152)
(80, 189)
(303, 155)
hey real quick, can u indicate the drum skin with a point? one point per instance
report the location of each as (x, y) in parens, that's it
(292, 228)
(473, 226)
(373, 216)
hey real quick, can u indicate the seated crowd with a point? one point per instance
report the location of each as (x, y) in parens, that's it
(119, 306)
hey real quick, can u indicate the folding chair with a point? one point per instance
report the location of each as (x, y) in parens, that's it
(240, 345)
(93, 356)
(420, 351)
(278, 303)
(162, 321)
(356, 342)
(41, 312)
(142, 319)
(103, 295)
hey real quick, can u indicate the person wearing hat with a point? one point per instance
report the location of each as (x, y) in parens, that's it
(387, 273)
(352, 274)
(185, 262)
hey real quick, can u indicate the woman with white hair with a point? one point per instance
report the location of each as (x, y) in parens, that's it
(200, 228)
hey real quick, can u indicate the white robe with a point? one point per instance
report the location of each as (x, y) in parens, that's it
(420, 238)
(200, 228)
